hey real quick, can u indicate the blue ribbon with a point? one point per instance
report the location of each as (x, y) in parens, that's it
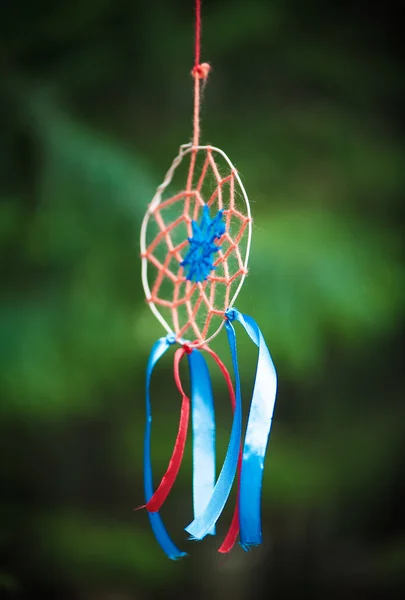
(203, 523)
(210, 498)
(257, 433)
(156, 522)
(203, 420)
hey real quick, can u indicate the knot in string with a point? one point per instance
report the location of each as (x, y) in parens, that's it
(187, 348)
(230, 315)
(171, 338)
(201, 71)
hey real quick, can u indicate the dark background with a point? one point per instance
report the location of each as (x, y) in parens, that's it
(95, 98)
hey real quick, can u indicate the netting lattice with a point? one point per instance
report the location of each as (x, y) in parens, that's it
(196, 309)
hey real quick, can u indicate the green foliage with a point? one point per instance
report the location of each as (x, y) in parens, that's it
(96, 101)
(93, 550)
(329, 275)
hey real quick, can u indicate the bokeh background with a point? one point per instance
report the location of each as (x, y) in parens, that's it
(95, 98)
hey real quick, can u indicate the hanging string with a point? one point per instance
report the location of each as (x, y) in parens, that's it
(197, 53)
(200, 71)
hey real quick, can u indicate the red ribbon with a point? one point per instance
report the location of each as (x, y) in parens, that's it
(168, 479)
(233, 531)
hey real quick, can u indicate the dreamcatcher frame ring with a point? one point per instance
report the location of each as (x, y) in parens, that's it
(184, 150)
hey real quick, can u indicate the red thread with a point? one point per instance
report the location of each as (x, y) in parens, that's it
(233, 531)
(187, 348)
(200, 71)
(197, 32)
(169, 477)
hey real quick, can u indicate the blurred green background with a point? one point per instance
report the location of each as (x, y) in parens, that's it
(95, 98)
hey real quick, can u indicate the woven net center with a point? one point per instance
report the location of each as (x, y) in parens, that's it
(196, 245)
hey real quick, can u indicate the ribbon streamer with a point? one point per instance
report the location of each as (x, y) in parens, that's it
(233, 531)
(203, 422)
(168, 479)
(162, 537)
(209, 498)
(257, 432)
(201, 525)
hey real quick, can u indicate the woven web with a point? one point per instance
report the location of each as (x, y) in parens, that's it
(195, 309)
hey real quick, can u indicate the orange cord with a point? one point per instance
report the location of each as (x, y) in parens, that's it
(201, 294)
(198, 72)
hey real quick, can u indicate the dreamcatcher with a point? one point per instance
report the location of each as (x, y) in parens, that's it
(195, 242)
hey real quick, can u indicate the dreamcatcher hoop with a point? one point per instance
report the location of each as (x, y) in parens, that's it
(226, 236)
(184, 150)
